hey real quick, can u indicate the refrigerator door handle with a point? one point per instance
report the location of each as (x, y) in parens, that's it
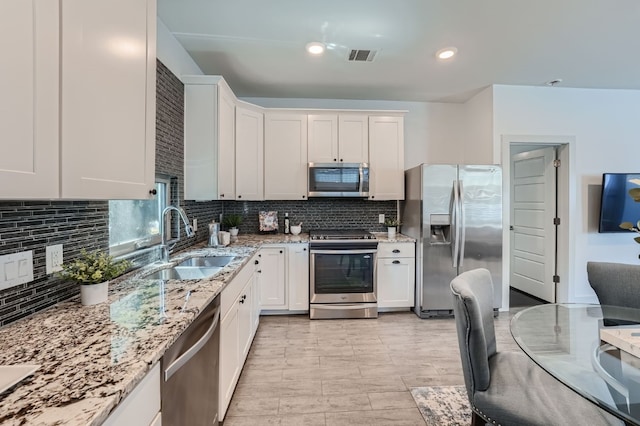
(461, 221)
(455, 247)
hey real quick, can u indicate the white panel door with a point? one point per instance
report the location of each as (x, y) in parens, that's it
(396, 282)
(353, 138)
(386, 157)
(298, 277)
(285, 156)
(108, 98)
(533, 237)
(29, 41)
(249, 154)
(230, 366)
(323, 138)
(273, 294)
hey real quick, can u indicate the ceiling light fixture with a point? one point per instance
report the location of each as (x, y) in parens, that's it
(315, 48)
(552, 83)
(446, 53)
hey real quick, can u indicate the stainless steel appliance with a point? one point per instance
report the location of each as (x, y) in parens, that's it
(190, 372)
(338, 180)
(342, 274)
(455, 214)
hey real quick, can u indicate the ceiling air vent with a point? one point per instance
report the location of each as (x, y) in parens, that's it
(362, 55)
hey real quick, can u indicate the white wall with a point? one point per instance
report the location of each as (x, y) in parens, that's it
(433, 131)
(171, 53)
(478, 129)
(606, 126)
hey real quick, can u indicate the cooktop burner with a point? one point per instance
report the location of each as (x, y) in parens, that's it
(341, 234)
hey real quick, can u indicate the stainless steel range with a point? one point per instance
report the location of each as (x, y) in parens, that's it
(342, 274)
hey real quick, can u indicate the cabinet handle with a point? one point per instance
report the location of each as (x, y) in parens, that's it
(241, 301)
(335, 159)
(239, 196)
(396, 262)
(280, 251)
(153, 191)
(396, 251)
(221, 195)
(304, 196)
(259, 271)
(244, 297)
(255, 262)
(304, 249)
(341, 159)
(373, 196)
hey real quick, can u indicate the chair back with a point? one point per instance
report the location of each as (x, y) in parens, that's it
(615, 284)
(473, 310)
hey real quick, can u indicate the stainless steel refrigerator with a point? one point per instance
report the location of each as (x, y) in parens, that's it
(455, 214)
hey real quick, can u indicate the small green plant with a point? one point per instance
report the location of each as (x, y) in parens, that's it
(232, 220)
(93, 268)
(392, 222)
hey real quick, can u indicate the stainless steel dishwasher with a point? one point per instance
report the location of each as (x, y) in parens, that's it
(190, 373)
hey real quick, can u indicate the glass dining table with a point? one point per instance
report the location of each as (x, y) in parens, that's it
(572, 342)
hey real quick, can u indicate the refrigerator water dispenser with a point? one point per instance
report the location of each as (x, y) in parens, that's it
(440, 229)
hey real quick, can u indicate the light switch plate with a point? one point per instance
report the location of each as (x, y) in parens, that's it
(16, 269)
(381, 218)
(54, 258)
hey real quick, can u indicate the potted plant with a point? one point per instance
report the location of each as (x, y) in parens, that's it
(391, 224)
(232, 221)
(93, 270)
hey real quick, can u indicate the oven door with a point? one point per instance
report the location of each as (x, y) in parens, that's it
(342, 275)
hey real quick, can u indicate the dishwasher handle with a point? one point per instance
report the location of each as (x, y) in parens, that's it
(185, 357)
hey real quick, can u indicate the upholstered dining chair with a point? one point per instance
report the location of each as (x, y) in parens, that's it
(615, 284)
(507, 388)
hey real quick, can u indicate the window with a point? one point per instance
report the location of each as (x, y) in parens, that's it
(135, 224)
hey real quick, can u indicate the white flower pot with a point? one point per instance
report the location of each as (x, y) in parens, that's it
(92, 294)
(233, 232)
(391, 232)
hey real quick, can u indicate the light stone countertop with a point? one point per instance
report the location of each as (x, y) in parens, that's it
(92, 357)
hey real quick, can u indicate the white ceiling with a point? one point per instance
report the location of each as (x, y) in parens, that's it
(258, 45)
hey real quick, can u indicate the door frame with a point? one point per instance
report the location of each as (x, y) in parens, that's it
(566, 209)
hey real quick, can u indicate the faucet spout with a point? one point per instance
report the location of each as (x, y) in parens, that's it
(188, 230)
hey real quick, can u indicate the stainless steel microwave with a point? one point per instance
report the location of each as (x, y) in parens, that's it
(338, 180)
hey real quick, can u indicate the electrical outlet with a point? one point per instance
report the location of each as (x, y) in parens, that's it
(381, 218)
(54, 258)
(195, 225)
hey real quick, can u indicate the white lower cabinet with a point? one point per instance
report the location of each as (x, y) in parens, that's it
(298, 276)
(284, 281)
(142, 405)
(237, 329)
(396, 275)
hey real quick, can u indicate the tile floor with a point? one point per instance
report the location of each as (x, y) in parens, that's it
(347, 372)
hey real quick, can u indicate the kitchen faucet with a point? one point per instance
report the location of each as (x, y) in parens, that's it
(165, 249)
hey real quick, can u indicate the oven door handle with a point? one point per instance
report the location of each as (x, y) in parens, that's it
(313, 251)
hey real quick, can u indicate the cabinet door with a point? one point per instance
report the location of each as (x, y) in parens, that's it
(396, 279)
(245, 320)
(229, 358)
(257, 276)
(323, 138)
(298, 277)
(108, 92)
(285, 156)
(273, 293)
(249, 154)
(353, 137)
(29, 34)
(226, 164)
(386, 157)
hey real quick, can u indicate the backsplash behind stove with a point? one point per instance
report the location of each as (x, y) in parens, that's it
(315, 213)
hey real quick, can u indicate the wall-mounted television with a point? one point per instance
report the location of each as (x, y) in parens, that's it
(617, 206)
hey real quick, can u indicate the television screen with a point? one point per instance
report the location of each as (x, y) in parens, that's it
(617, 206)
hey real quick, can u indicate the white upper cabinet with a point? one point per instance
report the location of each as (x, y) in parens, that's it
(29, 111)
(285, 156)
(249, 152)
(338, 138)
(386, 158)
(107, 98)
(209, 133)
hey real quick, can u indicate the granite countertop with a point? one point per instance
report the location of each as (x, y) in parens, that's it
(91, 357)
(382, 237)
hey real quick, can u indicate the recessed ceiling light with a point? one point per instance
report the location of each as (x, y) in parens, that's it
(554, 82)
(315, 48)
(446, 53)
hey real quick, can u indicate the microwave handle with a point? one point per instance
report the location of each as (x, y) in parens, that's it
(361, 175)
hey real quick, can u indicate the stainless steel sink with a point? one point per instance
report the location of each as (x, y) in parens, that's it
(184, 273)
(207, 261)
